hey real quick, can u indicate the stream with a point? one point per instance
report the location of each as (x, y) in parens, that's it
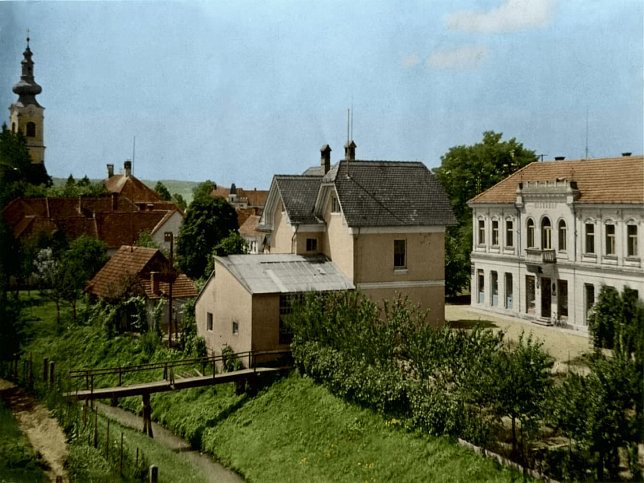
(213, 470)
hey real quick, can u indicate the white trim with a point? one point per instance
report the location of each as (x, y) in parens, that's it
(377, 230)
(317, 228)
(402, 284)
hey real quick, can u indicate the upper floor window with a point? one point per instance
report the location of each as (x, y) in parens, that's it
(562, 236)
(590, 238)
(495, 233)
(530, 231)
(31, 129)
(481, 235)
(311, 244)
(335, 205)
(509, 233)
(546, 234)
(400, 254)
(610, 239)
(235, 328)
(209, 320)
(631, 240)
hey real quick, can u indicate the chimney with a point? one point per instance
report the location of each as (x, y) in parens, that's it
(559, 158)
(127, 166)
(325, 160)
(110, 170)
(350, 151)
(115, 201)
(154, 279)
(626, 155)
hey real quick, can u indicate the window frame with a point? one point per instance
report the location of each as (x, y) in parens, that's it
(495, 233)
(530, 233)
(235, 327)
(509, 233)
(562, 233)
(400, 250)
(546, 233)
(631, 241)
(610, 236)
(481, 232)
(589, 238)
(311, 244)
(209, 321)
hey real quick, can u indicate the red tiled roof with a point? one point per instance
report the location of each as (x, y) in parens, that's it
(249, 228)
(255, 197)
(138, 263)
(130, 187)
(608, 180)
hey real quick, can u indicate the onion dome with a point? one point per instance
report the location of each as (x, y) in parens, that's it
(27, 88)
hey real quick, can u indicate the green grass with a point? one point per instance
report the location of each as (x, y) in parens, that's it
(18, 462)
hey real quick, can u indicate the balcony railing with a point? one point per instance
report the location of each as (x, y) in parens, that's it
(537, 255)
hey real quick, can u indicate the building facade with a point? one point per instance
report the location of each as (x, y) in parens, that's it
(547, 238)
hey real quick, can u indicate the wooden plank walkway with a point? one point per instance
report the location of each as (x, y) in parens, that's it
(166, 385)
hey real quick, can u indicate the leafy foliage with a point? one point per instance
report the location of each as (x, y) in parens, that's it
(466, 171)
(162, 191)
(207, 223)
(74, 188)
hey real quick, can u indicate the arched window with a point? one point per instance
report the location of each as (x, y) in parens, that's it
(530, 233)
(562, 236)
(546, 234)
(31, 129)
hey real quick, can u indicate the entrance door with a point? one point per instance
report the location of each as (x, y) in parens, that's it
(546, 297)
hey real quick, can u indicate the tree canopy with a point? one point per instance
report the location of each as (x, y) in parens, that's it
(162, 191)
(208, 221)
(466, 171)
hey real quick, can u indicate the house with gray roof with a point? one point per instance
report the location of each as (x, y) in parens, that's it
(379, 224)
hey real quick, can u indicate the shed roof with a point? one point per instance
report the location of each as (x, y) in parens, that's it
(606, 180)
(285, 273)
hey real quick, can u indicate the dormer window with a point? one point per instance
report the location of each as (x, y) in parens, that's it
(335, 205)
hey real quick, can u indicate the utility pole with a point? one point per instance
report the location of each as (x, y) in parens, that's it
(169, 238)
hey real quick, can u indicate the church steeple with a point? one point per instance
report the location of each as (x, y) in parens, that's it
(26, 115)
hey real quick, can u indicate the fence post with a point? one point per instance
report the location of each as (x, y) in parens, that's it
(154, 474)
(52, 366)
(45, 370)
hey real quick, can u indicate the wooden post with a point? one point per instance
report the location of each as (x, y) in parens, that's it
(119, 376)
(107, 441)
(45, 370)
(52, 366)
(154, 474)
(136, 462)
(85, 413)
(91, 401)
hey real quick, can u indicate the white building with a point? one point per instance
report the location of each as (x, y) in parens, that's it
(549, 236)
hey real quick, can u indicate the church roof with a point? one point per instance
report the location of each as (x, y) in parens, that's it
(27, 88)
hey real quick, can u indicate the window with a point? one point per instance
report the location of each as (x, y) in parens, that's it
(562, 236)
(610, 239)
(509, 233)
(589, 288)
(495, 233)
(400, 249)
(590, 238)
(546, 234)
(508, 290)
(286, 308)
(631, 240)
(494, 282)
(481, 286)
(311, 244)
(530, 294)
(562, 300)
(31, 130)
(335, 205)
(530, 233)
(209, 321)
(235, 328)
(481, 232)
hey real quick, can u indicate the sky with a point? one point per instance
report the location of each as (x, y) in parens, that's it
(237, 91)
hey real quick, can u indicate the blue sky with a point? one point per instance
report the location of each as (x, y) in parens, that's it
(236, 91)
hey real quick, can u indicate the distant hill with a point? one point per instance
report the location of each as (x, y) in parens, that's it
(184, 188)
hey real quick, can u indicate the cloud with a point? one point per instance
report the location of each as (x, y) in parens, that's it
(463, 57)
(411, 61)
(510, 16)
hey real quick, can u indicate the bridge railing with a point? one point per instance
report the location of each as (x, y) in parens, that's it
(248, 358)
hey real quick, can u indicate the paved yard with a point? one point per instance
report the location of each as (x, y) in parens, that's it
(562, 344)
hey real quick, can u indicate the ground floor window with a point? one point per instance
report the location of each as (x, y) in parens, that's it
(562, 300)
(286, 307)
(481, 286)
(589, 295)
(508, 290)
(530, 294)
(494, 282)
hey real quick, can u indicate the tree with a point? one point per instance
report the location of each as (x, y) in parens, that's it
(181, 203)
(162, 191)
(233, 244)
(49, 275)
(202, 191)
(208, 221)
(466, 171)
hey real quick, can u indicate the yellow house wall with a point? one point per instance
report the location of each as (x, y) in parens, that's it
(337, 242)
(282, 235)
(266, 322)
(228, 301)
(300, 242)
(427, 298)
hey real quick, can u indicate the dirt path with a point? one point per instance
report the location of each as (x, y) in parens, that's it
(41, 429)
(212, 470)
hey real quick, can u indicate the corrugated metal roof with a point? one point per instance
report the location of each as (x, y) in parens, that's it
(285, 273)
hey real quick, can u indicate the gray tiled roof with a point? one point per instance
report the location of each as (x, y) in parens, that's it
(389, 193)
(298, 194)
(285, 273)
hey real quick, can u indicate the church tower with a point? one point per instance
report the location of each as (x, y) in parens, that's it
(26, 115)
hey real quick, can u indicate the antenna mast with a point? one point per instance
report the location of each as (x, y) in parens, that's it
(586, 132)
(133, 150)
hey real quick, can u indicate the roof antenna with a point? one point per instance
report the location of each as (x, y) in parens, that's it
(352, 114)
(586, 132)
(348, 124)
(133, 151)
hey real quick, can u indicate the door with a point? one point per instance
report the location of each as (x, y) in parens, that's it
(546, 297)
